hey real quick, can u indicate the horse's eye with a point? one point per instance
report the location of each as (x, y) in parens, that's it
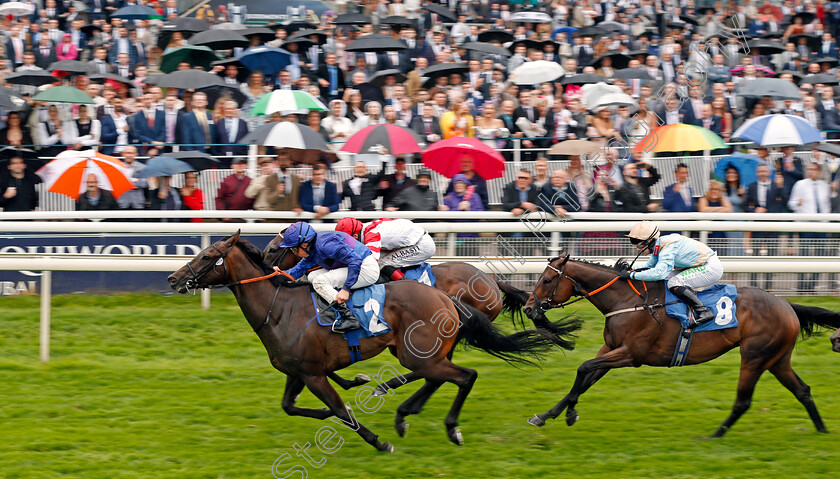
(206, 257)
(546, 281)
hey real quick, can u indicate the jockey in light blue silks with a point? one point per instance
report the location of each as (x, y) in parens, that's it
(685, 264)
(347, 264)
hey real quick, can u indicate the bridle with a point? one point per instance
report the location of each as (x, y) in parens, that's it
(192, 283)
(547, 304)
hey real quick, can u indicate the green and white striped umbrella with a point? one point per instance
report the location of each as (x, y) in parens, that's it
(286, 100)
(286, 134)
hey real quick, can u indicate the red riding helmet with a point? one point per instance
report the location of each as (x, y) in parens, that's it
(351, 226)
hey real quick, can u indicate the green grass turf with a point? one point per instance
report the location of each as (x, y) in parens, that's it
(150, 386)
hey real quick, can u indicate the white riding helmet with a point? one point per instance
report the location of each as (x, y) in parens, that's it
(644, 232)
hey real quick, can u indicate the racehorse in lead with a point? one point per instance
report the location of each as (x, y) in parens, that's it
(635, 336)
(425, 324)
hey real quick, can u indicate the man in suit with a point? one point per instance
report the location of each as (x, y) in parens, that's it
(415, 46)
(77, 36)
(230, 130)
(100, 63)
(678, 197)
(122, 45)
(140, 49)
(318, 195)
(44, 52)
(584, 51)
(95, 9)
(710, 121)
(426, 125)
(142, 124)
(330, 78)
(527, 111)
(123, 67)
(828, 48)
(167, 123)
(520, 195)
(196, 127)
(277, 189)
(398, 60)
(362, 188)
(15, 47)
(438, 44)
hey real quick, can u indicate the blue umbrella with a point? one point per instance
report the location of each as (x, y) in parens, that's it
(136, 12)
(746, 165)
(164, 166)
(567, 30)
(268, 60)
(778, 130)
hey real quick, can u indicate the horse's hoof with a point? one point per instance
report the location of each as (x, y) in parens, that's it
(401, 428)
(571, 417)
(387, 447)
(456, 436)
(381, 390)
(363, 379)
(536, 421)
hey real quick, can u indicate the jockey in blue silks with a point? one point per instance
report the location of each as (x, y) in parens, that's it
(684, 264)
(347, 264)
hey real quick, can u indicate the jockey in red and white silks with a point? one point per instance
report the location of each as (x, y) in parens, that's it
(394, 242)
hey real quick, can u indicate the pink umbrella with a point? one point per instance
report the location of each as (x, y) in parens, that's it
(445, 157)
(395, 139)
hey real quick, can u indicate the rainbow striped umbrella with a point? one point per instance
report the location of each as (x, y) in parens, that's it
(680, 137)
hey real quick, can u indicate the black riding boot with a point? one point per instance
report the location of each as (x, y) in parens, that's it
(392, 273)
(702, 314)
(347, 322)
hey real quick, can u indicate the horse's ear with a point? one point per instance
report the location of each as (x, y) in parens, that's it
(566, 256)
(234, 238)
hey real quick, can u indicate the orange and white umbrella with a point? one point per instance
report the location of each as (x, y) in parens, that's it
(67, 173)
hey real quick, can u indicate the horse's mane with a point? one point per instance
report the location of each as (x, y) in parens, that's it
(255, 256)
(620, 265)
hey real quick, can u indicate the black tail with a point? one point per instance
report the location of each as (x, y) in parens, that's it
(522, 347)
(812, 316)
(514, 300)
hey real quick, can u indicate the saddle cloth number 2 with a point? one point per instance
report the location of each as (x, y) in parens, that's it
(375, 326)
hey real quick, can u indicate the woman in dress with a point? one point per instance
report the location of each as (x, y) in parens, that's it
(175, 41)
(457, 122)
(490, 129)
(66, 50)
(355, 108)
(736, 194)
(603, 124)
(719, 109)
(14, 135)
(373, 117)
(192, 198)
(253, 90)
(715, 201)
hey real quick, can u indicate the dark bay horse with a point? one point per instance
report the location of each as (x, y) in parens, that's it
(457, 279)
(766, 332)
(425, 326)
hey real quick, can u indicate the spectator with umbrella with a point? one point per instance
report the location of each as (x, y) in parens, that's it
(95, 198)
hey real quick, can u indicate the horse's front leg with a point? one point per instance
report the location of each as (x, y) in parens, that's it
(345, 384)
(587, 374)
(294, 386)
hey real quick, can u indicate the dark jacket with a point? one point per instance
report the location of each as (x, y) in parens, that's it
(222, 136)
(415, 198)
(674, 203)
(633, 198)
(323, 72)
(565, 198)
(394, 187)
(480, 188)
(510, 196)
(331, 197)
(26, 198)
(192, 135)
(106, 202)
(776, 199)
(231, 194)
(368, 192)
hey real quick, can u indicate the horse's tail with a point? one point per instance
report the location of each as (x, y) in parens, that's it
(812, 316)
(522, 347)
(514, 301)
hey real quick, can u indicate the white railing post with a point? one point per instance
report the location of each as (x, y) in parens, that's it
(451, 240)
(205, 293)
(252, 160)
(46, 298)
(554, 247)
(517, 152)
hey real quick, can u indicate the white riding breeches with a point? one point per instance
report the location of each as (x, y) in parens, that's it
(697, 277)
(327, 282)
(410, 255)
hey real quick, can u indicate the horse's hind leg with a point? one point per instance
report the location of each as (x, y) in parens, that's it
(789, 379)
(322, 388)
(349, 383)
(414, 404)
(294, 386)
(751, 370)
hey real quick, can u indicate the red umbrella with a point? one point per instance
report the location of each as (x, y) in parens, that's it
(372, 139)
(445, 157)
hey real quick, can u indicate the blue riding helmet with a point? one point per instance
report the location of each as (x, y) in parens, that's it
(297, 234)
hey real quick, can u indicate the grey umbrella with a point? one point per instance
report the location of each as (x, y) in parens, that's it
(775, 88)
(220, 39)
(71, 66)
(821, 78)
(185, 79)
(487, 48)
(376, 43)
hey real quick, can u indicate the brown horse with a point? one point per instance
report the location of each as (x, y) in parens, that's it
(457, 279)
(425, 327)
(766, 332)
(835, 341)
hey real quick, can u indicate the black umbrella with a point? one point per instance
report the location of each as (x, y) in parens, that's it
(89, 29)
(376, 43)
(111, 76)
(830, 148)
(610, 26)
(487, 48)
(264, 34)
(500, 36)
(583, 79)
(590, 32)
(295, 26)
(11, 100)
(302, 43)
(822, 78)
(764, 47)
(220, 39)
(797, 77)
(351, 19)
(632, 74)
(807, 17)
(619, 60)
(308, 34)
(71, 66)
(440, 10)
(813, 41)
(777, 34)
(216, 92)
(196, 159)
(188, 79)
(185, 25)
(648, 33)
(30, 159)
(689, 19)
(826, 60)
(445, 69)
(379, 78)
(242, 74)
(397, 21)
(31, 77)
(528, 44)
(370, 92)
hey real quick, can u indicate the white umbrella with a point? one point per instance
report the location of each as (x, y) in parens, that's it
(286, 134)
(532, 73)
(287, 101)
(602, 95)
(15, 8)
(67, 173)
(779, 130)
(531, 17)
